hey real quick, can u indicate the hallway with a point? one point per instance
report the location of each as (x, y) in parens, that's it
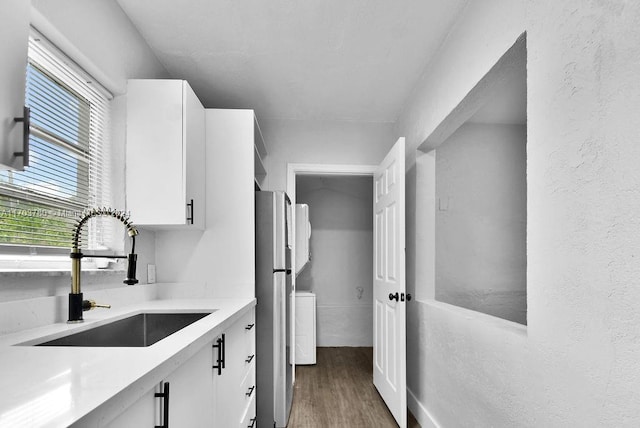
(338, 392)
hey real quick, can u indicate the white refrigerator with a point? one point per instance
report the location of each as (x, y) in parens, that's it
(274, 384)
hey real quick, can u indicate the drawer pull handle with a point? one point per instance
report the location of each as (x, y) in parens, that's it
(248, 394)
(253, 423)
(250, 358)
(249, 326)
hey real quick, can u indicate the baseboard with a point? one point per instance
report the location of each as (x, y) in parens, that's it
(421, 414)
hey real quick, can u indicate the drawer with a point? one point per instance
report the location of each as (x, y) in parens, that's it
(249, 335)
(240, 346)
(249, 418)
(248, 362)
(248, 385)
(247, 321)
(250, 327)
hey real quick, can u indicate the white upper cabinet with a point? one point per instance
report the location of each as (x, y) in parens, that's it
(14, 34)
(165, 164)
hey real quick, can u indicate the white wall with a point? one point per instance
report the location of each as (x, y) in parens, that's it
(100, 38)
(575, 364)
(222, 257)
(321, 142)
(341, 216)
(481, 220)
(98, 35)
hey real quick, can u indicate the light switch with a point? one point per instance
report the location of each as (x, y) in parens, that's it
(443, 204)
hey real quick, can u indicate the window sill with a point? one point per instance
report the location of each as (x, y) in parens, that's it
(52, 265)
(57, 272)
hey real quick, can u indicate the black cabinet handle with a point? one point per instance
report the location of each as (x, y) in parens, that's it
(250, 358)
(394, 296)
(26, 126)
(190, 206)
(224, 351)
(253, 423)
(220, 358)
(165, 406)
(249, 326)
(248, 393)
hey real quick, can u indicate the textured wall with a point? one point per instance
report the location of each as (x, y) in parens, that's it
(481, 220)
(98, 35)
(575, 364)
(341, 216)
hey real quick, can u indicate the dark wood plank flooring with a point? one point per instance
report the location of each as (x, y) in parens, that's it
(338, 392)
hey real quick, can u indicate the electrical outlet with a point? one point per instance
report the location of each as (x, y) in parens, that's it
(151, 274)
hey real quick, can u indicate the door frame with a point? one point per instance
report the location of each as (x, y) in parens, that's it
(293, 170)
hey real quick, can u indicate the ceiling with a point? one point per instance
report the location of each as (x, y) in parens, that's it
(346, 60)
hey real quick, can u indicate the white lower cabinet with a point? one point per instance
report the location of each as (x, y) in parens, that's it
(183, 399)
(140, 414)
(191, 392)
(235, 387)
(214, 388)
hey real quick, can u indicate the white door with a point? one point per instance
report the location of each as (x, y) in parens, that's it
(389, 340)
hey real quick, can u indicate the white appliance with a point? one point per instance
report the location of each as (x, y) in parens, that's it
(274, 383)
(305, 328)
(303, 236)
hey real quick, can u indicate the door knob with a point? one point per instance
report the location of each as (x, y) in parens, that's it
(394, 296)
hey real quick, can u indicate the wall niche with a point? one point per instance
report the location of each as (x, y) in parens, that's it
(478, 206)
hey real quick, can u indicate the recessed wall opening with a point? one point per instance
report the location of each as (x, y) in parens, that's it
(478, 197)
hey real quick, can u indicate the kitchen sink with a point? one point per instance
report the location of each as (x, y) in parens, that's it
(139, 330)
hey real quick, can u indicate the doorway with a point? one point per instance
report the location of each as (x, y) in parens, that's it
(340, 270)
(388, 270)
(346, 193)
(296, 171)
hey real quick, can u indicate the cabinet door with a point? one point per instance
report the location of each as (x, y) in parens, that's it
(165, 154)
(142, 413)
(191, 398)
(155, 183)
(194, 140)
(191, 392)
(14, 33)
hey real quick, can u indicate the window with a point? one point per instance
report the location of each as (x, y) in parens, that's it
(68, 169)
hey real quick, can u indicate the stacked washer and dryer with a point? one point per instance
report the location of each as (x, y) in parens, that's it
(305, 307)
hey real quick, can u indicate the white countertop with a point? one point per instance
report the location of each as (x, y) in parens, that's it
(61, 386)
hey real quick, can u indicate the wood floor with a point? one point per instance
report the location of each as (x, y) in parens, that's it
(338, 392)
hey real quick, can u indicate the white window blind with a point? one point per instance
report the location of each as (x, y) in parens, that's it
(69, 156)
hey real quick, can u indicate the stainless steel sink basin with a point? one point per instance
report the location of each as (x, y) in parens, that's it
(139, 330)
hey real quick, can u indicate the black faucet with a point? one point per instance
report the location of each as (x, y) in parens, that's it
(76, 304)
